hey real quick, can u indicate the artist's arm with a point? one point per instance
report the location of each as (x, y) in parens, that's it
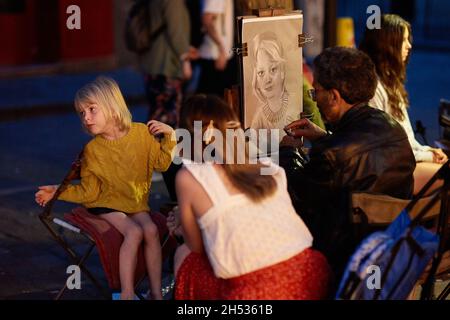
(305, 128)
(90, 185)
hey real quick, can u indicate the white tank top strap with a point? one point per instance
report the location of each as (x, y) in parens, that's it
(209, 179)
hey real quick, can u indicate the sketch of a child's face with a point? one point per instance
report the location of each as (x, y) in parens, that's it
(269, 75)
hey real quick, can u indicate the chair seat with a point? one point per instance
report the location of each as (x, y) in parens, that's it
(108, 241)
(382, 209)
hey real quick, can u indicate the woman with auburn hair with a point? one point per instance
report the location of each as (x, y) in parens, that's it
(243, 238)
(389, 48)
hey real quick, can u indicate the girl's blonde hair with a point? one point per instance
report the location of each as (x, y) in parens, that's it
(105, 92)
(246, 177)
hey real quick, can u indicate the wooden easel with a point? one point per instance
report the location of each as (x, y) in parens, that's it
(269, 12)
(231, 95)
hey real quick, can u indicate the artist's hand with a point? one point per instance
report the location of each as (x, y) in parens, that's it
(439, 156)
(45, 194)
(289, 141)
(305, 128)
(155, 127)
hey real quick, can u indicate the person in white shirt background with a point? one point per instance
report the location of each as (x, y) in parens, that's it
(389, 48)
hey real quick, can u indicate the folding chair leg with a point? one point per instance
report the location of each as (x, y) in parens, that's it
(86, 272)
(138, 294)
(444, 294)
(75, 259)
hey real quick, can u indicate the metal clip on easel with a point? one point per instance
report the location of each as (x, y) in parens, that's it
(241, 50)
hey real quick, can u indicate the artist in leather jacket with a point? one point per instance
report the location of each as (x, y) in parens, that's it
(364, 150)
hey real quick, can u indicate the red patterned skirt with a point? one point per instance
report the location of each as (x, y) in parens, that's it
(306, 276)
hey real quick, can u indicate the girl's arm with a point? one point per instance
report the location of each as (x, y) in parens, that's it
(89, 188)
(87, 191)
(421, 152)
(161, 152)
(191, 230)
(380, 99)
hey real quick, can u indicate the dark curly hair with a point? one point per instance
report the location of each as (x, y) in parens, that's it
(349, 71)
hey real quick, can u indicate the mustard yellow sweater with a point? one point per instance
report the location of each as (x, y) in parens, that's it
(117, 174)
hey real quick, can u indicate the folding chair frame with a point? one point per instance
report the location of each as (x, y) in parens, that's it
(428, 287)
(78, 260)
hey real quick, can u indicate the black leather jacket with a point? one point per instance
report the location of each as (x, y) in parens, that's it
(368, 151)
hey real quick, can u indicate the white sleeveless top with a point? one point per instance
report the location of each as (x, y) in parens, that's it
(241, 236)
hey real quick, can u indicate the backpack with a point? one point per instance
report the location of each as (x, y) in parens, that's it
(401, 253)
(138, 35)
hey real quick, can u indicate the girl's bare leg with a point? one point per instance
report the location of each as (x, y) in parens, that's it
(152, 252)
(132, 238)
(423, 172)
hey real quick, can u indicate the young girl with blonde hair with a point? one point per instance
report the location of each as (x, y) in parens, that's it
(116, 174)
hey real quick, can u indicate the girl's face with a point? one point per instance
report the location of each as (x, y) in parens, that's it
(94, 119)
(269, 76)
(406, 45)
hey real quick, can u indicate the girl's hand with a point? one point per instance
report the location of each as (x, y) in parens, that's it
(174, 222)
(44, 194)
(439, 156)
(156, 127)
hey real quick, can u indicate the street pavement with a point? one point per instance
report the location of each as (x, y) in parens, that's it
(39, 143)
